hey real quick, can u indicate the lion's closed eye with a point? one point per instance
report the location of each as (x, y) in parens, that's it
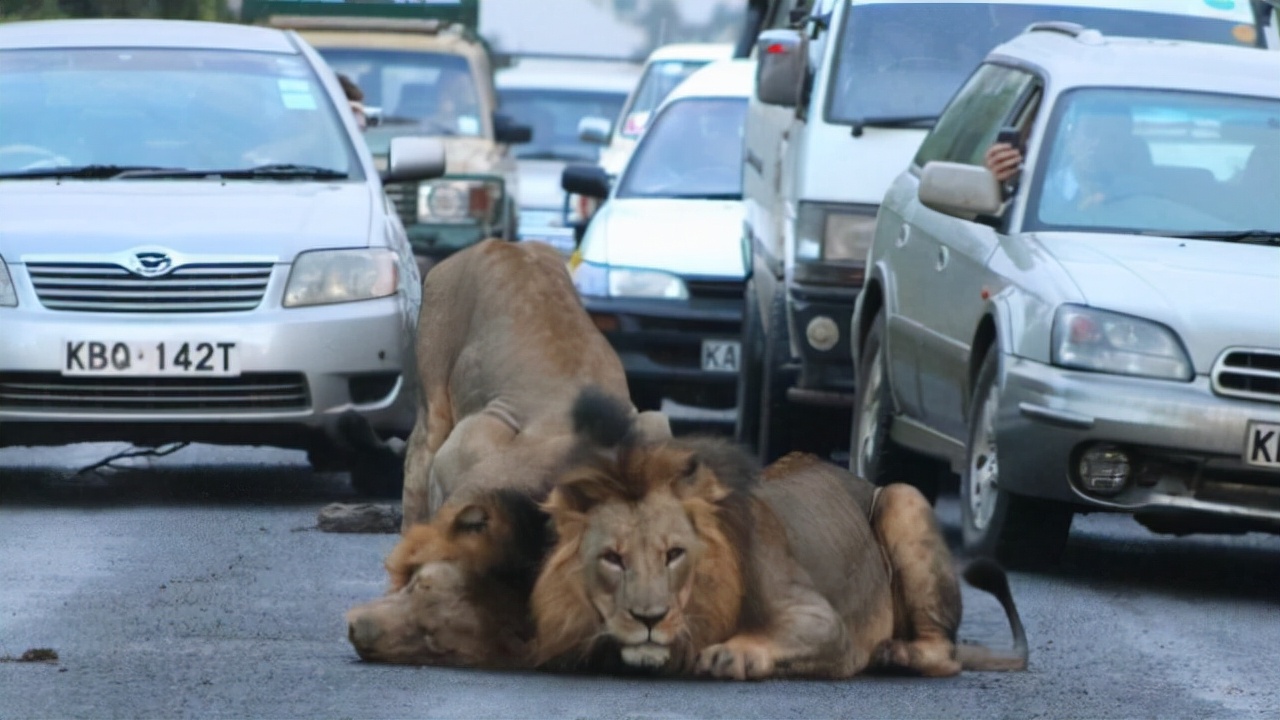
(613, 559)
(674, 554)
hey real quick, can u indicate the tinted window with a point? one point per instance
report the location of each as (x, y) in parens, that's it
(693, 150)
(1146, 161)
(435, 90)
(974, 117)
(907, 59)
(554, 117)
(192, 109)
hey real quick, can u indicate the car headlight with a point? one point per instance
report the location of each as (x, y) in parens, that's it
(459, 202)
(8, 295)
(839, 235)
(1103, 341)
(603, 281)
(333, 276)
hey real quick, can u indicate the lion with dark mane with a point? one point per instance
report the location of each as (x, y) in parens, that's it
(680, 556)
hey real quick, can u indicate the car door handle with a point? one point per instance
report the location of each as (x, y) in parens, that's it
(904, 233)
(944, 255)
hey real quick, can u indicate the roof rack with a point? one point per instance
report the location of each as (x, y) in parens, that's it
(434, 12)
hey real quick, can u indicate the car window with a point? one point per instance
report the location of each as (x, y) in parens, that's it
(693, 150)
(181, 109)
(906, 59)
(1158, 161)
(554, 115)
(435, 90)
(658, 80)
(973, 119)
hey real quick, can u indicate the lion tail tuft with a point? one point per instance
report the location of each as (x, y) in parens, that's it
(602, 418)
(986, 575)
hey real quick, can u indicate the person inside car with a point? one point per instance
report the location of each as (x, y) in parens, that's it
(355, 97)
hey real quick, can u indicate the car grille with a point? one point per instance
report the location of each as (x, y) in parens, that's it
(106, 287)
(405, 197)
(250, 391)
(1249, 373)
(700, 289)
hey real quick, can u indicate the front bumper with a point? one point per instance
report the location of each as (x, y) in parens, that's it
(664, 344)
(826, 376)
(300, 369)
(1186, 444)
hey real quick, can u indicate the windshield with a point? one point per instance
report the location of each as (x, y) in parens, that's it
(906, 60)
(164, 108)
(554, 117)
(693, 150)
(435, 90)
(1159, 161)
(659, 79)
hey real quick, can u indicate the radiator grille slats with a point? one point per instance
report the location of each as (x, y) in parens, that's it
(251, 391)
(1251, 373)
(105, 287)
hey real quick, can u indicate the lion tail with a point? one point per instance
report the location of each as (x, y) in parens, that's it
(986, 575)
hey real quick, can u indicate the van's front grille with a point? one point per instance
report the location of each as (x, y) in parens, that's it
(106, 287)
(250, 391)
(405, 197)
(1250, 373)
(715, 289)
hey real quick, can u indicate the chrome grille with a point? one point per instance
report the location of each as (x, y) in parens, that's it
(106, 287)
(250, 391)
(405, 197)
(1251, 373)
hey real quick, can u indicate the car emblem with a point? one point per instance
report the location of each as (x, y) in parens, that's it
(150, 264)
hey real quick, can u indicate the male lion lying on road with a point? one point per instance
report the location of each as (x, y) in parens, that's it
(504, 345)
(678, 556)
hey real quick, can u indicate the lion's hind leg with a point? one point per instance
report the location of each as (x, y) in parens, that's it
(926, 592)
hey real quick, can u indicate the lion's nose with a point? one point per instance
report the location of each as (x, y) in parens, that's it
(650, 617)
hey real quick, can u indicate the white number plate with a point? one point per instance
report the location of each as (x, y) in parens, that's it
(1262, 445)
(107, 357)
(721, 355)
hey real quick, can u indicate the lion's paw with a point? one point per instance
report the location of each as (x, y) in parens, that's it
(737, 659)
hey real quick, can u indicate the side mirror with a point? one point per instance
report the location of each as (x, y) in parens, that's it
(595, 130)
(414, 157)
(780, 65)
(510, 132)
(959, 189)
(588, 180)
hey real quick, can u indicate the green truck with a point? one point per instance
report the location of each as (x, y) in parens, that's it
(424, 70)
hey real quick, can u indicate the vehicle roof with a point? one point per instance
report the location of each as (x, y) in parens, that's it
(1219, 9)
(445, 41)
(692, 51)
(1094, 59)
(732, 78)
(140, 33)
(570, 75)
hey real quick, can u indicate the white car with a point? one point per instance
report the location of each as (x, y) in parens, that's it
(661, 267)
(552, 96)
(1107, 339)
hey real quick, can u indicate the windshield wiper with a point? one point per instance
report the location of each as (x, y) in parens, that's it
(272, 171)
(892, 121)
(552, 155)
(1267, 237)
(705, 196)
(84, 172)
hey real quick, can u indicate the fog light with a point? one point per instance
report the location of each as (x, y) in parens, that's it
(1104, 469)
(822, 333)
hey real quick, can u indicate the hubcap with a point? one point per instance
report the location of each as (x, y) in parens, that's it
(868, 418)
(984, 471)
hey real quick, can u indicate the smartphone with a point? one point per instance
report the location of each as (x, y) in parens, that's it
(1010, 136)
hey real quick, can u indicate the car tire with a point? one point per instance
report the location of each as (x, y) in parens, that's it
(377, 474)
(873, 455)
(746, 426)
(776, 416)
(1018, 531)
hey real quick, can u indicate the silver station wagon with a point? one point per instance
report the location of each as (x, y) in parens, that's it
(1100, 332)
(195, 246)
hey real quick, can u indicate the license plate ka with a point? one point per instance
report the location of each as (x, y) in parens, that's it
(151, 359)
(1262, 445)
(721, 355)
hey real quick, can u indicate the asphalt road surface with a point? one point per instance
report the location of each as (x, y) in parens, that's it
(196, 586)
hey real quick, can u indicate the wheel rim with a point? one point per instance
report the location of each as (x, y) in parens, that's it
(868, 418)
(984, 470)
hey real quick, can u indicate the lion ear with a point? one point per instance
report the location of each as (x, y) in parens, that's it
(472, 518)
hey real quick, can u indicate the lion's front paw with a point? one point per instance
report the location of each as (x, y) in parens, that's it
(737, 659)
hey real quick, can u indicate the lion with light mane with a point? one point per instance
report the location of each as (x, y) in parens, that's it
(504, 344)
(679, 556)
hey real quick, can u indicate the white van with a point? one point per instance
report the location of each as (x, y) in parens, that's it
(845, 91)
